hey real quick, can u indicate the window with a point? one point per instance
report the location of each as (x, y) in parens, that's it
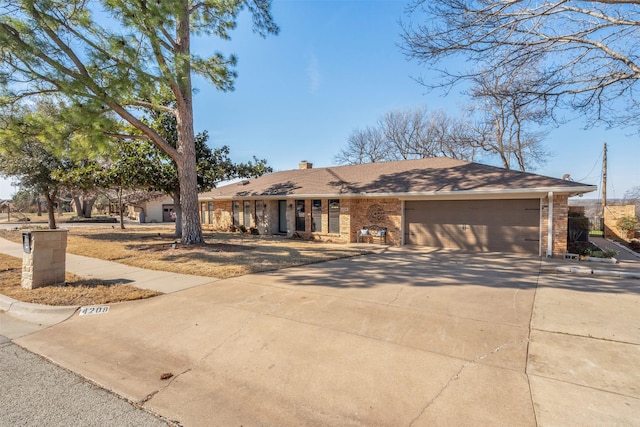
(334, 216)
(300, 215)
(236, 213)
(210, 212)
(316, 216)
(203, 211)
(247, 214)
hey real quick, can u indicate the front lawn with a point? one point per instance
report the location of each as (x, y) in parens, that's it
(223, 255)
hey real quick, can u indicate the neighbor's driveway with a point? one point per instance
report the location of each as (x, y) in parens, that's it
(404, 338)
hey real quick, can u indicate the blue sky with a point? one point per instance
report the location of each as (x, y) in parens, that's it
(335, 67)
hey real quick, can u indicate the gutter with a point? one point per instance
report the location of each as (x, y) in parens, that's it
(470, 194)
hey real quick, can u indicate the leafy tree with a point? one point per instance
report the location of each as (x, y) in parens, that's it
(628, 225)
(34, 167)
(151, 169)
(589, 50)
(23, 199)
(82, 183)
(35, 145)
(125, 171)
(137, 52)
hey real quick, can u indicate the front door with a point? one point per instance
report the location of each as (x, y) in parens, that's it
(282, 216)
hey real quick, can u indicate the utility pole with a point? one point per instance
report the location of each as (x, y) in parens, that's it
(604, 183)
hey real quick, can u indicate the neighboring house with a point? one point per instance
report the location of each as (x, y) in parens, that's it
(155, 209)
(5, 206)
(436, 202)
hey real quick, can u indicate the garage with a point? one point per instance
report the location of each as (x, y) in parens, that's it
(475, 225)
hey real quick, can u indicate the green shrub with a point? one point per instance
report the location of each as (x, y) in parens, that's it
(628, 225)
(602, 254)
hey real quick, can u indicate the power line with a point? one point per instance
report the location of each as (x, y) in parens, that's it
(592, 169)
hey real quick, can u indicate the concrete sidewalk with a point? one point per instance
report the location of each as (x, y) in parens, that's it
(20, 318)
(161, 281)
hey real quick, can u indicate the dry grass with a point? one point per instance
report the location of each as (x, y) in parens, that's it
(223, 255)
(75, 291)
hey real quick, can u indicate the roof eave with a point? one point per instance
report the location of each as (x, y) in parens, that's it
(509, 193)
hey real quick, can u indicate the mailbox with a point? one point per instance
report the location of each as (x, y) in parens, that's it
(26, 242)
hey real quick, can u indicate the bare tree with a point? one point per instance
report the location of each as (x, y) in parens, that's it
(363, 146)
(407, 134)
(632, 195)
(590, 50)
(510, 120)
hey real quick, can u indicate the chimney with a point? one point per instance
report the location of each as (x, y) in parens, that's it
(305, 165)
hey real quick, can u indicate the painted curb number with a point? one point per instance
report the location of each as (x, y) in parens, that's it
(101, 309)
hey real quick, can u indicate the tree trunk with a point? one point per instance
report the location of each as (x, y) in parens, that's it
(177, 208)
(121, 208)
(186, 158)
(51, 208)
(190, 221)
(39, 205)
(78, 204)
(87, 206)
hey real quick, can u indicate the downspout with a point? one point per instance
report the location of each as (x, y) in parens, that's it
(550, 226)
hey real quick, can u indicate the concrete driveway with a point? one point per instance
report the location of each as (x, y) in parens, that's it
(403, 338)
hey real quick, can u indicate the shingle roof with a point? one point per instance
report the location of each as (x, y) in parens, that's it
(406, 177)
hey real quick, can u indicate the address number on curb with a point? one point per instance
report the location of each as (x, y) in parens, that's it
(101, 309)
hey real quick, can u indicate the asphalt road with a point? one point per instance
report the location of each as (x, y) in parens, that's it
(35, 392)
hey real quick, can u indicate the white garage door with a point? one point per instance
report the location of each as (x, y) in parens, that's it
(476, 225)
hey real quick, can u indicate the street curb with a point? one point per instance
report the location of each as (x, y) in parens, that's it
(41, 311)
(589, 271)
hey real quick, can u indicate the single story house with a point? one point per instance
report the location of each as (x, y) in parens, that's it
(157, 208)
(437, 202)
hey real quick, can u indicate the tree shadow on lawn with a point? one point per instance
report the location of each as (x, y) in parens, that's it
(75, 291)
(215, 260)
(200, 247)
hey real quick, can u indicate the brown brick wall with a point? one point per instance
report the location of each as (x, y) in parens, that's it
(354, 214)
(380, 212)
(611, 216)
(560, 224)
(222, 218)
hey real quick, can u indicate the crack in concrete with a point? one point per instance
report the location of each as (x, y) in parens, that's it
(149, 396)
(455, 376)
(591, 337)
(397, 296)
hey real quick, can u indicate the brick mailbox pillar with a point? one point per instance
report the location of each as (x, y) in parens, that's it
(43, 260)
